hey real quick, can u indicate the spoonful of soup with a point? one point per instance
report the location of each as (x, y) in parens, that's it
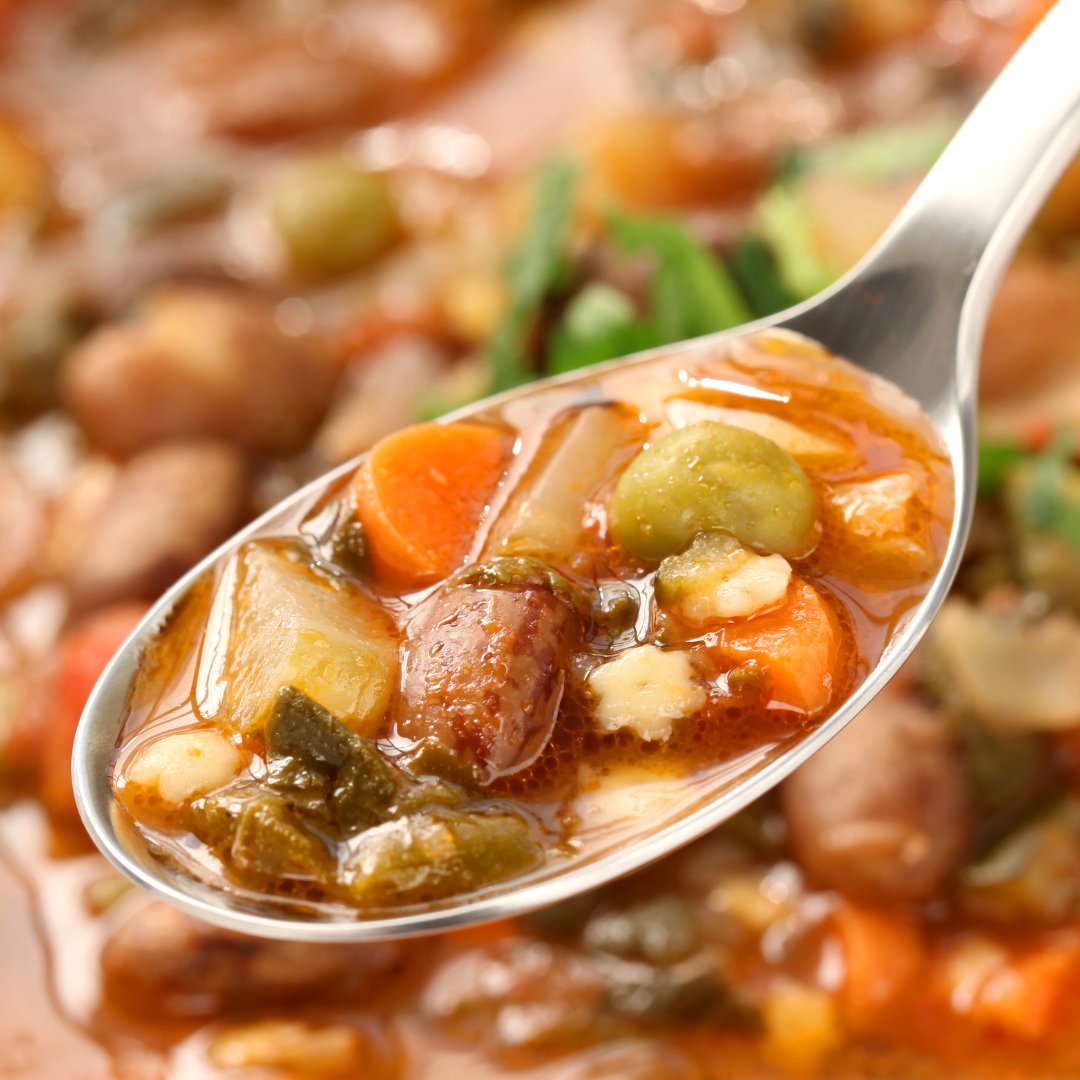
(505, 657)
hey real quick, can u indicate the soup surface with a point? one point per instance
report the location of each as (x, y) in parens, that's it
(244, 241)
(451, 671)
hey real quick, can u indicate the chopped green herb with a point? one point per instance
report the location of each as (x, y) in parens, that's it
(534, 269)
(1048, 499)
(755, 271)
(785, 224)
(996, 459)
(691, 292)
(875, 153)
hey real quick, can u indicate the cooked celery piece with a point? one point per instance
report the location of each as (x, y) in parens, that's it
(713, 476)
(546, 516)
(717, 578)
(275, 622)
(801, 444)
(441, 853)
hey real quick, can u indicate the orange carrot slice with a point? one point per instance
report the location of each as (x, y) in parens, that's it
(420, 494)
(796, 644)
(884, 957)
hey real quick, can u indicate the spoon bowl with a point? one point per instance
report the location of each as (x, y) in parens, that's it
(913, 312)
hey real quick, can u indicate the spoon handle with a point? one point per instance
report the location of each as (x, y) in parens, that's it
(931, 277)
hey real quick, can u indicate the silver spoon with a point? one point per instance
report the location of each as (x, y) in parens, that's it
(913, 311)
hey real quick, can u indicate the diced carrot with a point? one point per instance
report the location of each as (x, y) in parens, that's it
(883, 956)
(796, 644)
(1032, 14)
(1068, 748)
(420, 494)
(1031, 996)
(84, 652)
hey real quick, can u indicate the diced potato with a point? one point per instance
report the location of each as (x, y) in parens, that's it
(646, 690)
(1012, 673)
(289, 1045)
(801, 444)
(801, 1024)
(795, 644)
(276, 623)
(717, 578)
(183, 766)
(546, 515)
(887, 518)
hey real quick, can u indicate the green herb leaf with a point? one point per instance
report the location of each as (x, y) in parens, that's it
(600, 324)
(691, 292)
(786, 225)
(534, 267)
(1048, 507)
(996, 459)
(754, 268)
(875, 153)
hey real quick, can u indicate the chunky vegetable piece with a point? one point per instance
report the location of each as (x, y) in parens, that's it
(181, 767)
(502, 642)
(276, 623)
(419, 494)
(713, 476)
(331, 218)
(646, 690)
(717, 578)
(796, 644)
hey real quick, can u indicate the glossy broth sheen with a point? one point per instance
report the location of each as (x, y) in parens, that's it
(581, 790)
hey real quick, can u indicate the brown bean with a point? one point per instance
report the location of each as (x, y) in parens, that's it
(197, 363)
(379, 395)
(1033, 332)
(166, 509)
(484, 671)
(23, 532)
(269, 89)
(162, 961)
(883, 810)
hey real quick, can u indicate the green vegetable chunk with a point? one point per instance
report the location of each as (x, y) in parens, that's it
(713, 476)
(330, 217)
(1033, 875)
(270, 842)
(433, 855)
(325, 768)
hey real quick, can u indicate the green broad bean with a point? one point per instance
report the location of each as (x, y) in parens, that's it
(713, 476)
(331, 218)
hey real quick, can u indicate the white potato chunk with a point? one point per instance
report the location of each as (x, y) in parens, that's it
(717, 578)
(803, 445)
(645, 689)
(887, 517)
(1013, 673)
(184, 766)
(290, 1045)
(276, 623)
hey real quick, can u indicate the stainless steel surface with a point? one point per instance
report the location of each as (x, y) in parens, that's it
(913, 311)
